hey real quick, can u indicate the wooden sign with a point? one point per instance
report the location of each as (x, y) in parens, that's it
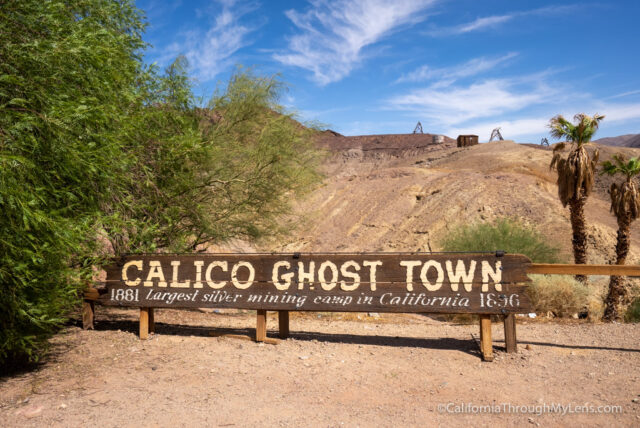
(364, 282)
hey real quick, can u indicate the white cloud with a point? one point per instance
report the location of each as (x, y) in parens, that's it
(457, 104)
(210, 51)
(482, 23)
(496, 20)
(625, 94)
(618, 112)
(332, 35)
(450, 74)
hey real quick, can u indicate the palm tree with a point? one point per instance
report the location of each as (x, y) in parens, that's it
(625, 205)
(575, 174)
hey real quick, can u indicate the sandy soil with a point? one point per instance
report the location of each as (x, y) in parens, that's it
(336, 370)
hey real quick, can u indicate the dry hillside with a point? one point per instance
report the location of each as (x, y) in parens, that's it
(402, 193)
(629, 140)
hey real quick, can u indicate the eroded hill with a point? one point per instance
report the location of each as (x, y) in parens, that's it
(403, 193)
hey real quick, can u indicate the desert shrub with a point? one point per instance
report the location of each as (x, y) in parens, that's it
(510, 235)
(560, 294)
(633, 311)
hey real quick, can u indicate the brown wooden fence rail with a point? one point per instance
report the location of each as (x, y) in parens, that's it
(147, 324)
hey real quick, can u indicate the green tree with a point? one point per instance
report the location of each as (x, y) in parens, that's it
(625, 205)
(97, 148)
(208, 175)
(575, 174)
(67, 81)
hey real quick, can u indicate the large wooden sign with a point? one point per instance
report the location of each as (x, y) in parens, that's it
(365, 282)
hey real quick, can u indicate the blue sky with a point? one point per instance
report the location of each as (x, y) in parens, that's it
(457, 66)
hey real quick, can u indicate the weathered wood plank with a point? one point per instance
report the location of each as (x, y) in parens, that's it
(283, 324)
(572, 269)
(510, 340)
(486, 344)
(88, 314)
(91, 294)
(387, 298)
(298, 268)
(261, 325)
(152, 321)
(372, 282)
(144, 323)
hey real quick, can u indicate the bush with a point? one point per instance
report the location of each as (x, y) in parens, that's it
(68, 78)
(510, 235)
(95, 146)
(560, 294)
(633, 311)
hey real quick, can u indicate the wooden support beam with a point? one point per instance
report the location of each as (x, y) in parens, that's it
(486, 345)
(510, 340)
(283, 324)
(261, 325)
(88, 314)
(91, 294)
(144, 323)
(152, 321)
(564, 269)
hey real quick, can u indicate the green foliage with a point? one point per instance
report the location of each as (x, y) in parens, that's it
(579, 133)
(633, 311)
(97, 148)
(67, 80)
(560, 294)
(620, 165)
(208, 175)
(625, 199)
(507, 234)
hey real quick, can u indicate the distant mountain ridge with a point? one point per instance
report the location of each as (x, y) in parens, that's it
(629, 140)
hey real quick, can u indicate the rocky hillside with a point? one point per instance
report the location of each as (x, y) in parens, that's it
(403, 193)
(629, 140)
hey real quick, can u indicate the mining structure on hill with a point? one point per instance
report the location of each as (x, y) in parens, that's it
(383, 146)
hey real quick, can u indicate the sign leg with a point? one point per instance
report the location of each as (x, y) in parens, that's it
(261, 325)
(486, 345)
(144, 323)
(283, 324)
(510, 340)
(88, 314)
(152, 321)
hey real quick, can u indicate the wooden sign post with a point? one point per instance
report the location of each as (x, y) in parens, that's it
(482, 284)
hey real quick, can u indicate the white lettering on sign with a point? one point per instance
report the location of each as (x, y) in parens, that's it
(431, 273)
(352, 275)
(174, 279)
(125, 277)
(155, 271)
(372, 272)
(410, 264)
(234, 275)
(461, 274)
(275, 275)
(207, 275)
(330, 285)
(305, 276)
(495, 274)
(425, 270)
(198, 282)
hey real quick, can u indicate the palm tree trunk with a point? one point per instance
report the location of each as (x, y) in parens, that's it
(579, 240)
(616, 283)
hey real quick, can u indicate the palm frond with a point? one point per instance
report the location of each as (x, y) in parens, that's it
(559, 147)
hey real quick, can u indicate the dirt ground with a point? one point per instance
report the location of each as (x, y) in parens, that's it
(336, 370)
